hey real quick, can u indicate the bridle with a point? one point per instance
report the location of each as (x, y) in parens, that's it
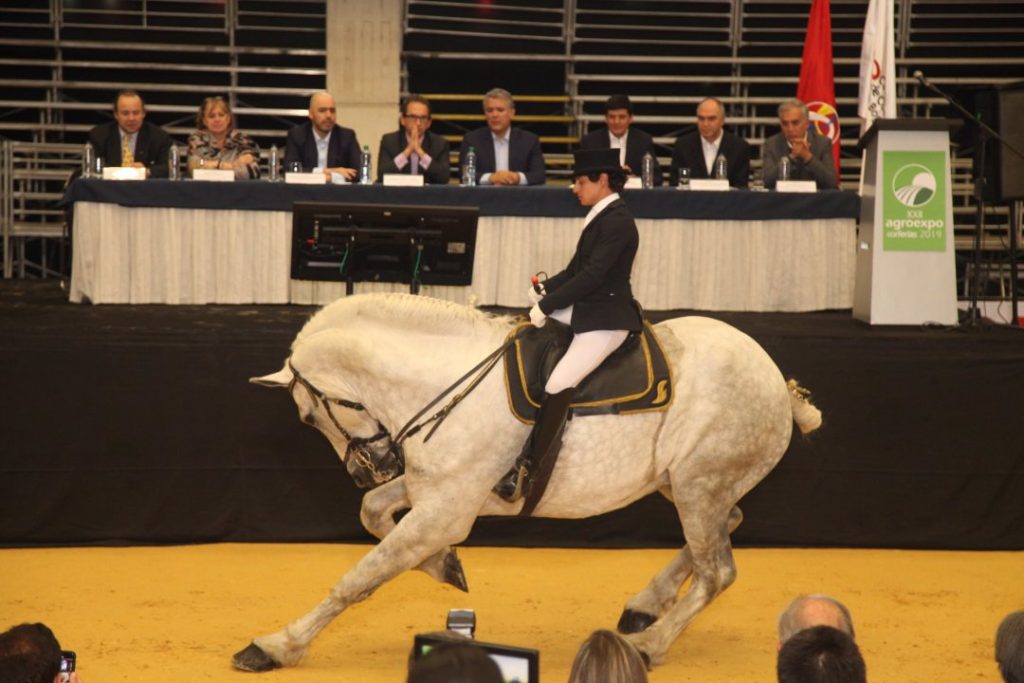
(385, 467)
(357, 447)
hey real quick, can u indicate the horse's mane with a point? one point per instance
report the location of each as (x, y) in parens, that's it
(420, 313)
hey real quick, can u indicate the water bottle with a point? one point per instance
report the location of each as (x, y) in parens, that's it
(272, 171)
(721, 167)
(364, 166)
(784, 168)
(174, 163)
(469, 169)
(88, 160)
(647, 171)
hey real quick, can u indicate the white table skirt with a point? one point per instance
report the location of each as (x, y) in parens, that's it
(203, 256)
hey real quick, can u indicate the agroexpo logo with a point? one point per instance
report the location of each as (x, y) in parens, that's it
(913, 185)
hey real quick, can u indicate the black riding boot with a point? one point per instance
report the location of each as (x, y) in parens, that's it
(538, 452)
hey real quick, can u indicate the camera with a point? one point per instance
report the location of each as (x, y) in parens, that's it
(67, 664)
(462, 621)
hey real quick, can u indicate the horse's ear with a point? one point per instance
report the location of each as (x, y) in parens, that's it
(281, 378)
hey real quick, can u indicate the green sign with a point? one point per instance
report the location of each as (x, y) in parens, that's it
(914, 201)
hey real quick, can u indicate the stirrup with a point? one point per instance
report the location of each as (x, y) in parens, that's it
(512, 486)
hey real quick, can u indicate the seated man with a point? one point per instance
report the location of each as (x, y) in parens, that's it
(321, 144)
(413, 148)
(30, 653)
(632, 143)
(130, 140)
(504, 155)
(806, 611)
(1010, 647)
(698, 150)
(810, 154)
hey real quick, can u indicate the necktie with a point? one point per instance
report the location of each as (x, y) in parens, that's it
(414, 163)
(126, 152)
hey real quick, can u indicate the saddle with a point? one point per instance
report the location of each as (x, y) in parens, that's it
(634, 379)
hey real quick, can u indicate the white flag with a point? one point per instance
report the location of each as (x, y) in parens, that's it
(877, 65)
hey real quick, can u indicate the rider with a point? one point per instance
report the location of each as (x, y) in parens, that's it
(592, 296)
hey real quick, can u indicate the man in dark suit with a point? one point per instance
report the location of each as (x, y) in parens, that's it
(504, 155)
(698, 150)
(130, 140)
(632, 143)
(413, 149)
(593, 296)
(321, 144)
(810, 154)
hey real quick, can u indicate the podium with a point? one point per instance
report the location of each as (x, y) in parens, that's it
(905, 272)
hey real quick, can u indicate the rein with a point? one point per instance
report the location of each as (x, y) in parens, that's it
(357, 445)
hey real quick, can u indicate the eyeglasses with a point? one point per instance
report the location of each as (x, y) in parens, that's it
(416, 117)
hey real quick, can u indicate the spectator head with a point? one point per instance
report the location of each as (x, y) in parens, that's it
(793, 119)
(499, 110)
(322, 111)
(455, 662)
(710, 118)
(29, 653)
(129, 111)
(618, 114)
(607, 657)
(807, 611)
(1010, 647)
(215, 116)
(821, 654)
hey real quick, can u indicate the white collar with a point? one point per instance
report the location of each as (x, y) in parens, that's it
(599, 207)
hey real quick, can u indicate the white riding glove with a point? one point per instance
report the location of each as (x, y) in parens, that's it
(536, 296)
(537, 316)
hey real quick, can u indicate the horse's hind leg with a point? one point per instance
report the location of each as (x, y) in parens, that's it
(378, 516)
(711, 566)
(644, 608)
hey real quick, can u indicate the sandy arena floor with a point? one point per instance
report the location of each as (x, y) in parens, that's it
(177, 614)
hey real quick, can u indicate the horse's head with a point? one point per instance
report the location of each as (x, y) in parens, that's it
(361, 441)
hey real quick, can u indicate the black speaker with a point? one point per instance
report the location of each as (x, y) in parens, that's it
(1003, 110)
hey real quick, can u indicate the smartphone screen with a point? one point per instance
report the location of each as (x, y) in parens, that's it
(67, 664)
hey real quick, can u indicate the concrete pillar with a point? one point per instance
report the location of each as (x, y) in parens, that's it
(364, 44)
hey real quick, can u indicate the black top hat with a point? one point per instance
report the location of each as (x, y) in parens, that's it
(587, 161)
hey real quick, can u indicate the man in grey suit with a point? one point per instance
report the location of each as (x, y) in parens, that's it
(698, 150)
(620, 134)
(413, 149)
(504, 155)
(810, 154)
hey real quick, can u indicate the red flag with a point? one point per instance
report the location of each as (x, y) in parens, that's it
(817, 84)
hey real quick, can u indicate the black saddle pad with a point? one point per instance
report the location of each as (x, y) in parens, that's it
(636, 378)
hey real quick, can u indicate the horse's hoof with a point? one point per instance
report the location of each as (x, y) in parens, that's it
(453, 573)
(635, 622)
(252, 658)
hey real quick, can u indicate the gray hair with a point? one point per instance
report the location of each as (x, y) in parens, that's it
(797, 617)
(500, 94)
(721, 107)
(793, 104)
(1010, 647)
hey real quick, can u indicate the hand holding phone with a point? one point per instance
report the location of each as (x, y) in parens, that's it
(67, 664)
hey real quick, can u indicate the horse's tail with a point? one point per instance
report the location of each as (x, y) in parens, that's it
(805, 414)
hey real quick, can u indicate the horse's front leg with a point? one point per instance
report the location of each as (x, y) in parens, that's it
(420, 534)
(378, 516)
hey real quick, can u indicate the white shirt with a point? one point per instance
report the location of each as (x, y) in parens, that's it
(619, 144)
(322, 145)
(711, 152)
(599, 207)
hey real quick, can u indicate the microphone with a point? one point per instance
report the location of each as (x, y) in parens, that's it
(922, 79)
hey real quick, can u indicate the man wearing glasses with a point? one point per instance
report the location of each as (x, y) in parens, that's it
(413, 149)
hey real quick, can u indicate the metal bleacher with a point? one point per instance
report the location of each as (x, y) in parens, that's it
(61, 61)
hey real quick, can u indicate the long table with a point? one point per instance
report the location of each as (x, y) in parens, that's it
(190, 242)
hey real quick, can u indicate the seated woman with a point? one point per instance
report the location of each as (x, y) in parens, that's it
(216, 143)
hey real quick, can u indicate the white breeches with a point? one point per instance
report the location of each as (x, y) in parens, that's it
(586, 352)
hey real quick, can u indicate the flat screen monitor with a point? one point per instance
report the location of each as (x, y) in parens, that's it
(517, 664)
(431, 245)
